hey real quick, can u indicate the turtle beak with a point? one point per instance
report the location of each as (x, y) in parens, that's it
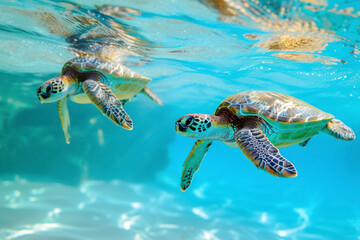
(41, 98)
(179, 128)
(38, 91)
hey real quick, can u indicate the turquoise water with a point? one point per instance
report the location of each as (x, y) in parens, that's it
(110, 183)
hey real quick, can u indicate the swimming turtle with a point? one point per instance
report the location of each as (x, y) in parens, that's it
(257, 122)
(106, 84)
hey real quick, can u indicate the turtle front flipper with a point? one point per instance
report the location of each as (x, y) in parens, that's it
(193, 162)
(339, 130)
(255, 145)
(64, 118)
(105, 100)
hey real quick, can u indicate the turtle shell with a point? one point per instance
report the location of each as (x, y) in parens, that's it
(292, 120)
(124, 82)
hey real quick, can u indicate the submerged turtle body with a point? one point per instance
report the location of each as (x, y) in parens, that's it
(257, 122)
(122, 81)
(291, 120)
(106, 84)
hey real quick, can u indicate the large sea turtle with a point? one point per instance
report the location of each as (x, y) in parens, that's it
(257, 122)
(106, 84)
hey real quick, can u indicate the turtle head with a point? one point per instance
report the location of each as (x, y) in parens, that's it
(198, 126)
(52, 90)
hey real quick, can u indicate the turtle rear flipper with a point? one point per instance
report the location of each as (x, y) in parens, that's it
(193, 162)
(64, 118)
(150, 94)
(255, 145)
(339, 130)
(105, 100)
(125, 101)
(304, 143)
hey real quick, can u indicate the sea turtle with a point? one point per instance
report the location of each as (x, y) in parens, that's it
(95, 80)
(257, 122)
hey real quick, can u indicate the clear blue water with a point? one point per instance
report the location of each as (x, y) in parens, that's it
(114, 184)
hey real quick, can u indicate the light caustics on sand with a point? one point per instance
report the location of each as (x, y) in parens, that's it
(124, 208)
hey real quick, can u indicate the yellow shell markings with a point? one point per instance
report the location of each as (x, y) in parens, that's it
(292, 120)
(124, 82)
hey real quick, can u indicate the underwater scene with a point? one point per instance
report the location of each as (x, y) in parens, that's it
(267, 89)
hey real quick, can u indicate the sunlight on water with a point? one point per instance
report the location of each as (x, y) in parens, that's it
(110, 183)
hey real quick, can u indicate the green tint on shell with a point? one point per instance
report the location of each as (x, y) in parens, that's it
(124, 82)
(292, 120)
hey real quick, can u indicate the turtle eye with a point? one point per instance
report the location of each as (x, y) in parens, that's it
(189, 121)
(49, 88)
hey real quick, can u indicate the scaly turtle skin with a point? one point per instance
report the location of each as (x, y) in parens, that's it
(257, 122)
(108, 85)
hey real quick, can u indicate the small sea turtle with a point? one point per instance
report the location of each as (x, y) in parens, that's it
(95, 80)
(257, 122)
